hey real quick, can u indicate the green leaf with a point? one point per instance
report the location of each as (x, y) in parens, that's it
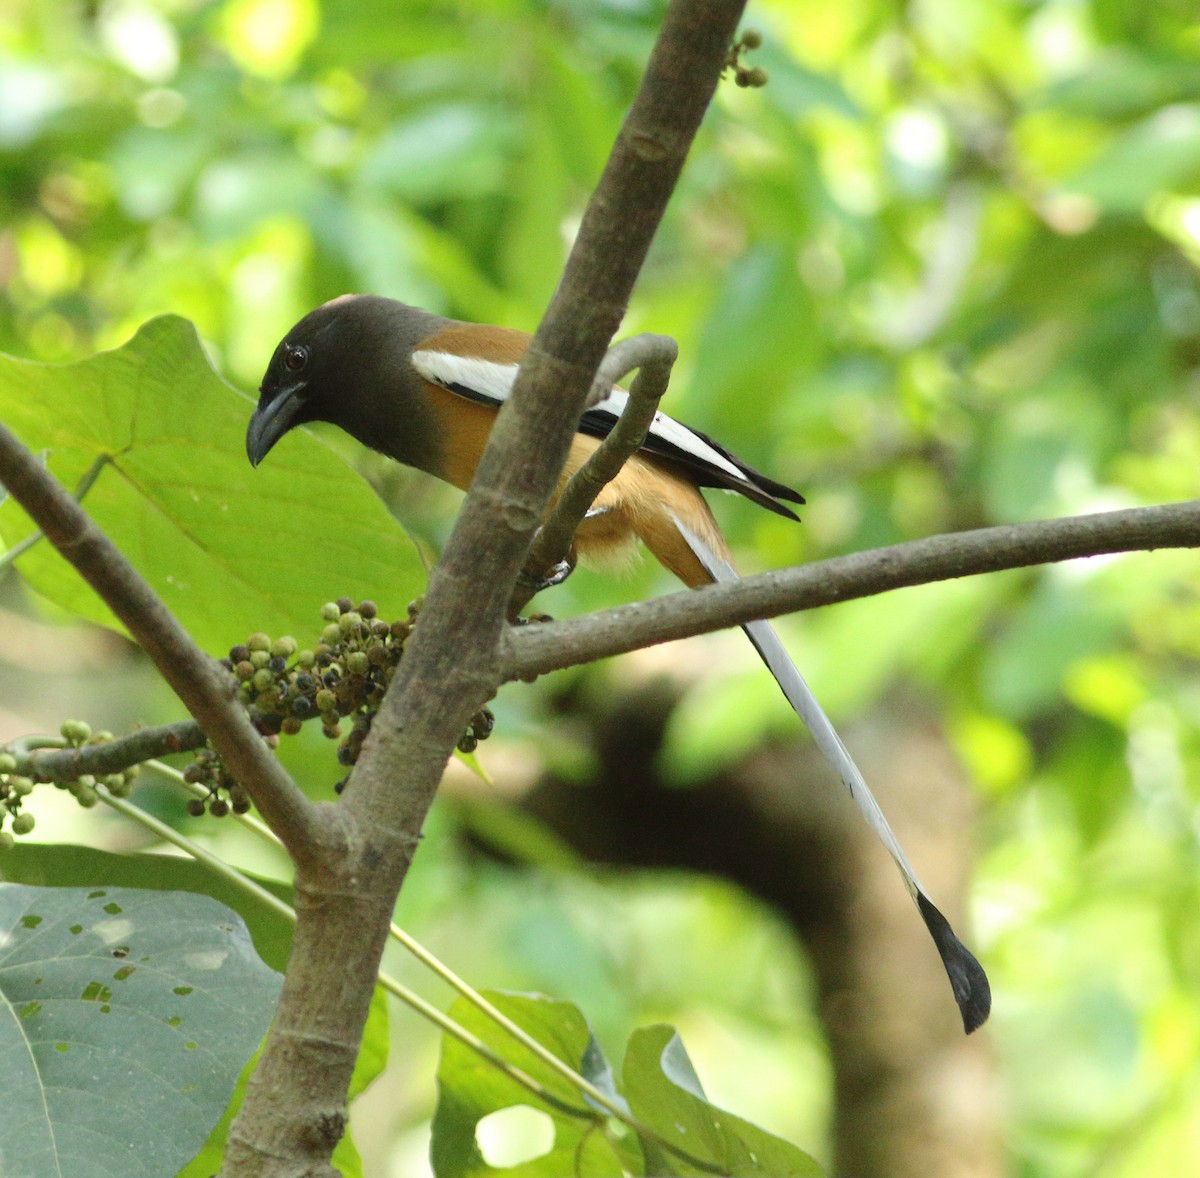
(1160, 153)
(126, 1017)
(470, 1088)
(230, 550)
(41, 863)
(664, 1093)
(64, 865)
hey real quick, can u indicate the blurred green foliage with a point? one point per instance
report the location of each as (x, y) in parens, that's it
(940, 272)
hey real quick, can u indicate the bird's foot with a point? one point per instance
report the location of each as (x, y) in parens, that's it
(556, 576)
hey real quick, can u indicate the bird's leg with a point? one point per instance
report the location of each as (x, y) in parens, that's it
(559, 572)
(556, 575)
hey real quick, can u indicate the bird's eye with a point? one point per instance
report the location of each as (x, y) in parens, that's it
(296, 357)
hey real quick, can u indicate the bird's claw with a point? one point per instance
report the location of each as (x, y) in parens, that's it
(556, 576)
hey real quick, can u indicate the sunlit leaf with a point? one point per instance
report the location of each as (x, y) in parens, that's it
(231, 550)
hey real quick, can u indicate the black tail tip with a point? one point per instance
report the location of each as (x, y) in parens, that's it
(972, 991)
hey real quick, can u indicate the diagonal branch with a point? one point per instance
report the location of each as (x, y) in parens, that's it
(552, 646)
(653, 356)
(206, 690)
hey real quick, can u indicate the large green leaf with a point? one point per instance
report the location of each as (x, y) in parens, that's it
(470, 1089)
(231, 550)
(43, 863)
(664, 1093)
(126, 1017)
(660, 1089)
(66, 865)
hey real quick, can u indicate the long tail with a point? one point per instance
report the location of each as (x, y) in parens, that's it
(967, 978)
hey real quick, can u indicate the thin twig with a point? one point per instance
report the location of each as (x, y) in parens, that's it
(84, 485)
(50, 761)
(653, 356)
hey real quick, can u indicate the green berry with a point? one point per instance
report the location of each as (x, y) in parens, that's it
(349, 620)
(259, 659)
(751, 39)
(757, 76)
(75, 731)
(20, 787)
(306, 658)
(102, 737)
(284, 647)
(87, 797)
(23, 823)
(259, 641)
(357, 662)
(326, 700)
(132, 772)
(332, 634)
(263, 679)
(244, 670)
(291, 725)
(7, 842)
(7, 762)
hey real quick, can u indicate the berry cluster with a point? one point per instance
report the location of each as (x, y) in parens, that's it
(16, 787)
(743, 75)
(224, 794)
(342, 677)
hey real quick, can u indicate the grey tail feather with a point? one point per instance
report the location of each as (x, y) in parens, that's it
(967, 978)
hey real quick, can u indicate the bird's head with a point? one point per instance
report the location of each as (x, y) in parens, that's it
(302, 380)
(347, 363)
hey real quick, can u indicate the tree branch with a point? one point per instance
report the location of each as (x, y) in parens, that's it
(653, 356)
(534, 650)
(54, 763)
(207, 691)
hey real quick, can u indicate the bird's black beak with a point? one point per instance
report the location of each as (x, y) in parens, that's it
(276, 413)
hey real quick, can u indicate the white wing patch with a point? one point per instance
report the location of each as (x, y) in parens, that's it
(493, 382)
(669, 430)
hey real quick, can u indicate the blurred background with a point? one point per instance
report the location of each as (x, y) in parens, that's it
(940, 273)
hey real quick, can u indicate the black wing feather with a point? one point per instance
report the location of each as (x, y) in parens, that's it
(755, 485)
